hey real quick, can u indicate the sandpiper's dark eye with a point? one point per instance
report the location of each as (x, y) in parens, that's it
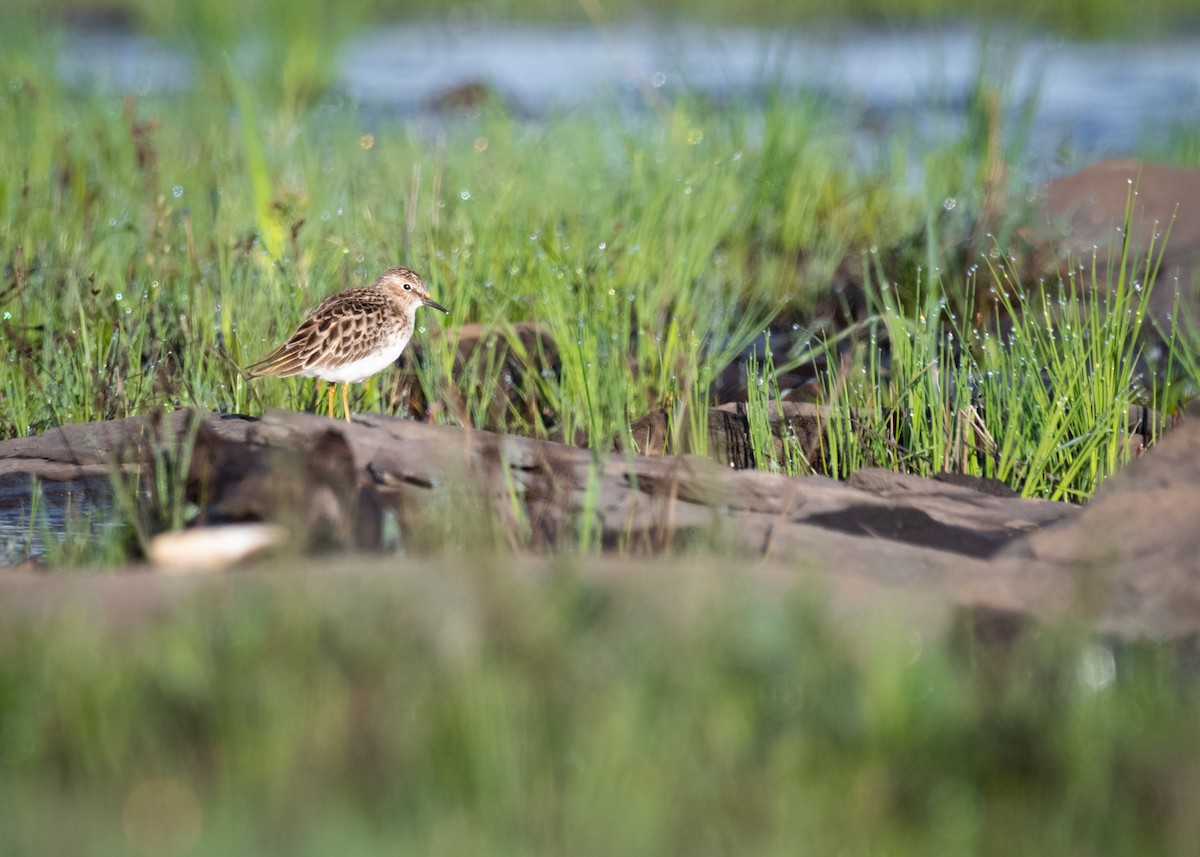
(407, 287)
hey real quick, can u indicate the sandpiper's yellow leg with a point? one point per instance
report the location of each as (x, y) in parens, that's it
(329, 387)
(345, 404)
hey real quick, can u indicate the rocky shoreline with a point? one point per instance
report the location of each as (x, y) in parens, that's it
(1127, 561)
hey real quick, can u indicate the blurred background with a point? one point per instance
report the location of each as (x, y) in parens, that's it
(1080, 78)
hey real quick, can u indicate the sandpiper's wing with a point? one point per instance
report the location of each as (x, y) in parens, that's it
(344, 327)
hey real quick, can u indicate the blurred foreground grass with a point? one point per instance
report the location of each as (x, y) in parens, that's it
(467, 706)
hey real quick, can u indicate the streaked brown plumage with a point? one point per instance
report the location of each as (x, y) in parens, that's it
(353, 334)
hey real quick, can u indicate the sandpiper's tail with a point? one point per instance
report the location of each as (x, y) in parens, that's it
(281, 363)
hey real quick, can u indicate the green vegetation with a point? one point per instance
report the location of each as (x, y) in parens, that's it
(152, 247)
(1044, 408)
(429, 709)
(155, 247)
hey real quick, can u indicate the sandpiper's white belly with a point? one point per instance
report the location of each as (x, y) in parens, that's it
(364, 367)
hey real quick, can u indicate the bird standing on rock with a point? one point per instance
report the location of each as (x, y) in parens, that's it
(352, 335)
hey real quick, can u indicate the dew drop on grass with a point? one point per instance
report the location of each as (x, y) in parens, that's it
(177, 191)
(949, 203)
(119, 296)
(465, 194)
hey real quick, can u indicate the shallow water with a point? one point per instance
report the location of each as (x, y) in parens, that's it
(1092, 98)
(57, 510)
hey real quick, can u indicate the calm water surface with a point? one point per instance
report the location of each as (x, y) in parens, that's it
(1091, 99)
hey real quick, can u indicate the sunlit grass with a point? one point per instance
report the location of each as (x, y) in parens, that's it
(1038, 396)
(154, 253)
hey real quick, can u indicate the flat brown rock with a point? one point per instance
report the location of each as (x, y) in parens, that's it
(1128, 561)
(1135, 550)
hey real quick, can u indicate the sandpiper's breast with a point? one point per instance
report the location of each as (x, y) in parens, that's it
(363, 367)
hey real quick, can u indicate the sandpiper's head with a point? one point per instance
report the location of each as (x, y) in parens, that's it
(406, 286)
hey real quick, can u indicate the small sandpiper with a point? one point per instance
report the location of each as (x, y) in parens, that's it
(352, 335)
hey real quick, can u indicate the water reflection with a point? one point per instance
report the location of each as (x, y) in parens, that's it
(36, 520)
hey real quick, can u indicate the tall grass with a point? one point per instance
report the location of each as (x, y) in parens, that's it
(1037, 396)
(154, 248)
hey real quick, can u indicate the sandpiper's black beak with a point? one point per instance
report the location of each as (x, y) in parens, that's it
(430, 302)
